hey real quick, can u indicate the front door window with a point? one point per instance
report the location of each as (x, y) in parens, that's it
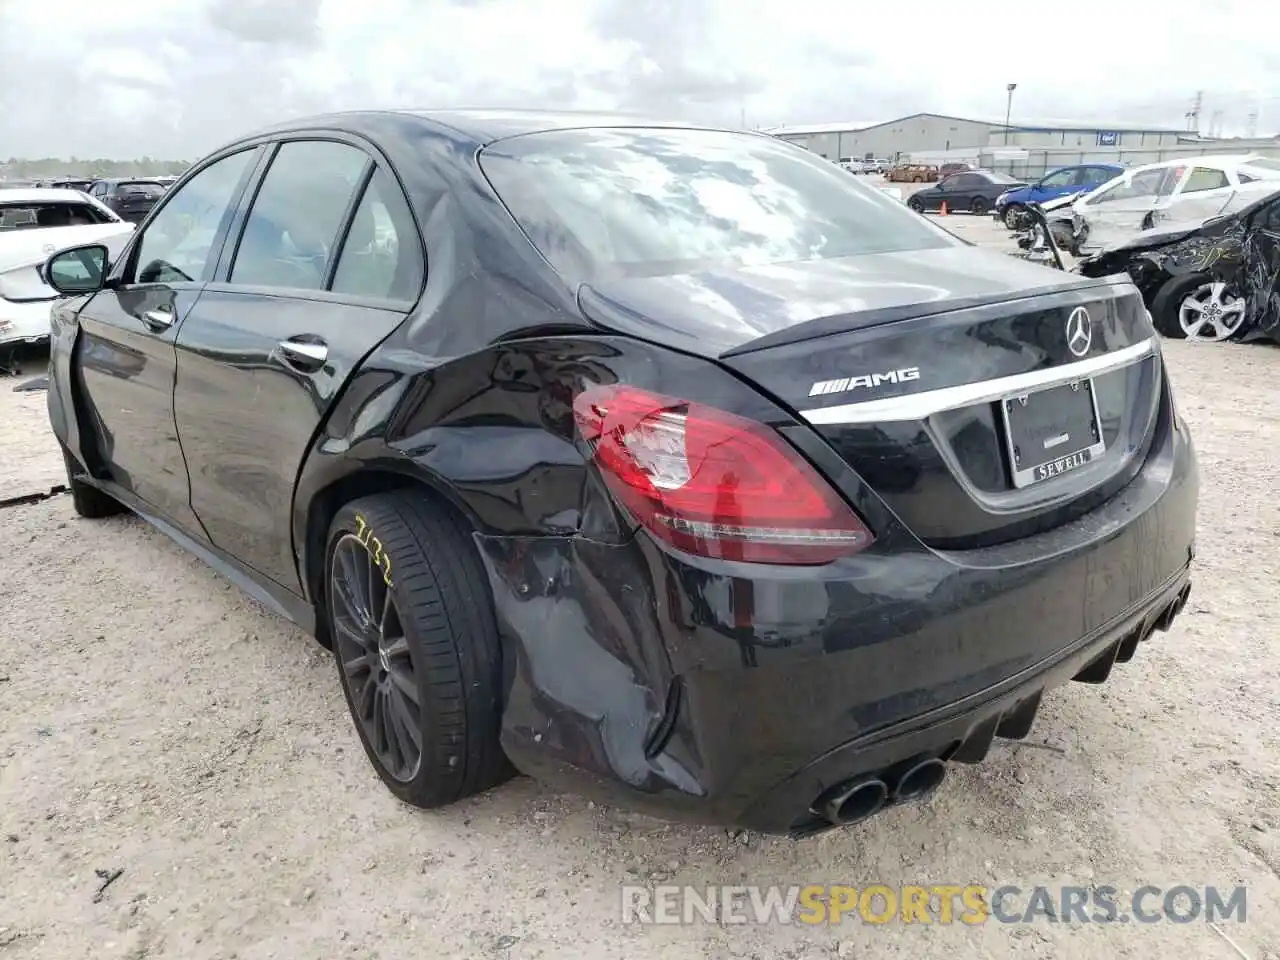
(177, 246)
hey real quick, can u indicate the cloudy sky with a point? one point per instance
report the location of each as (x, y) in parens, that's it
(174, 78)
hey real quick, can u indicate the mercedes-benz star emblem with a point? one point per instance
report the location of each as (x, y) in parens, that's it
(1079, 332)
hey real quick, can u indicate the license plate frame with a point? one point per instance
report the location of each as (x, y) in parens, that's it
(1081, 443)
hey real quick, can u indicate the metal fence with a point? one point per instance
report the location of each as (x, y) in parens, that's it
(1032, 163)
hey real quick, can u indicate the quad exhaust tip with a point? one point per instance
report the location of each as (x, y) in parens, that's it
(920, 781)
(855, 801)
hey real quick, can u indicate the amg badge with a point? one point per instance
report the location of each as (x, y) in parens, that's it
(1062, 465)
(823, 387)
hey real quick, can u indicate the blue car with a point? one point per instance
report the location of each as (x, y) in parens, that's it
(1054, 184)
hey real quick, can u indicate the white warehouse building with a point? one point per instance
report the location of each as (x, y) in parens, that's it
(934, 133)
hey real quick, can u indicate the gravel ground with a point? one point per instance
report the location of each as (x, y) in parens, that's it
(156, 722)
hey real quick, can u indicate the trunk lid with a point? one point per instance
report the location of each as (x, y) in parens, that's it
(942, 377)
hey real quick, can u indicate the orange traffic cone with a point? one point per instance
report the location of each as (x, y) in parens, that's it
(942, 212)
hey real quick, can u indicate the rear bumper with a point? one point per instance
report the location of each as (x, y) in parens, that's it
(963, 732)
(26, 322)
(731, 694)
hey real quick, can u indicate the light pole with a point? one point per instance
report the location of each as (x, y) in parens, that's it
(1008, 109)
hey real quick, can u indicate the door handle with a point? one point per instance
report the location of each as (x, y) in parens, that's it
(304, 354)
(158, 319)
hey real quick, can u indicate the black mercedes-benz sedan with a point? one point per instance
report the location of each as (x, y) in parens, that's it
(671, 465)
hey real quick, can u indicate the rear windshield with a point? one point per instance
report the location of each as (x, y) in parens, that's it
(26, 216)
(1264, 163)
(140, 189)
(1002, 178)
(652, 201)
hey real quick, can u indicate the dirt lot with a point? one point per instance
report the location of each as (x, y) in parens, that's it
(154, 721)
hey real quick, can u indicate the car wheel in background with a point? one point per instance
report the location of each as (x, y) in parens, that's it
(88, 501)
(979, 206)
(915, 205)
(416, 643)
(1013, 216)
(1197, 308)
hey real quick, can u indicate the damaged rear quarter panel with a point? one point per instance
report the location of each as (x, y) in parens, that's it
(588, 677)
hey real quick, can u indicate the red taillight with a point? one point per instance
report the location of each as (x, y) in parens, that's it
(712, 483)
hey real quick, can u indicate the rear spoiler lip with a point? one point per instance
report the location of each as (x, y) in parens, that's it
(835, 324)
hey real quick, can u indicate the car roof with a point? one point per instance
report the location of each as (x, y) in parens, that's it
(20, 195)
(476, 125)
(1218, 162)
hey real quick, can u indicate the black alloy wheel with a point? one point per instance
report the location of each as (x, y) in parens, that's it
(376, 661)
(979, 206)
(915, 205)
(411, 619)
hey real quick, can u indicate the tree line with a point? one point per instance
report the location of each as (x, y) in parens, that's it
(17, 168)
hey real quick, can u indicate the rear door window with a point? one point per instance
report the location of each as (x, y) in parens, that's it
(381, 256)
(1205, 178)
(290, 235)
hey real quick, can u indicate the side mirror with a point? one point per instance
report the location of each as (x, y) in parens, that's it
(77, 270)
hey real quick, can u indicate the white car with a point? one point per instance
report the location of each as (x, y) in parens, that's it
(34, 223)
(1192, 188)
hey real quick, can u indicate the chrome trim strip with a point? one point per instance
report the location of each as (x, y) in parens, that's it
(919, 406)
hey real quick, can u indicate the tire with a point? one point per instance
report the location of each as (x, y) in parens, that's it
(979, 206)
(1164, 305)
(443, 648)
(1167, 305)
(1012, 213)
(915, 205)
(88, 501)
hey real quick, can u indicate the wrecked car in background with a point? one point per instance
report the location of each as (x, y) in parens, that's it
(34, 223)
(1172, 191)
(1213, 279)
(1063, 182)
